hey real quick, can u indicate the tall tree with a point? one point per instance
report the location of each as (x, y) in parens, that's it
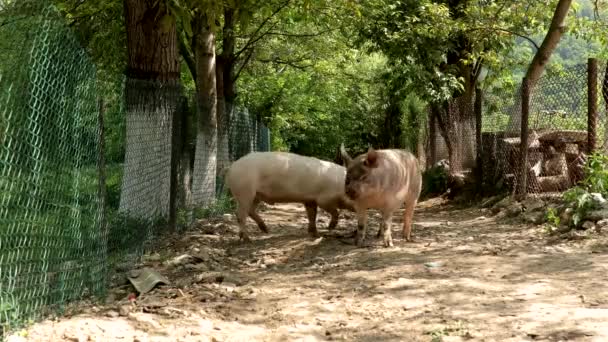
(152, 94)
(205, 160)
(442, 44)
(556, 30)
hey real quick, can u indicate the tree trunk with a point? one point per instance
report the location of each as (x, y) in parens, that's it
(541, 58)
(605, 96)
(226, 90)
(223, 157)
(152, 93)
(556, 30)
(205, 160)
(185, 162)
(391, 131)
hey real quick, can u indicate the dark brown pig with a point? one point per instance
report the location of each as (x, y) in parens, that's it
(282, 177)
(382, 180)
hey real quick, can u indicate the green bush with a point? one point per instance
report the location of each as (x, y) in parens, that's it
(434, 181)
(595, 181)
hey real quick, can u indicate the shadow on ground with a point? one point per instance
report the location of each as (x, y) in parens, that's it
(466, 277)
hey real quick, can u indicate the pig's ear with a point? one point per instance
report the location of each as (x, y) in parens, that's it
(346, 159)
(371, 160)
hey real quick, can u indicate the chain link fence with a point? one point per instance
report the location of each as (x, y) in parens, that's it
(52, 241)
(91, 178)
(557, 139)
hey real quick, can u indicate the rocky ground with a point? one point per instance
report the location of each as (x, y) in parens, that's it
(466, 277)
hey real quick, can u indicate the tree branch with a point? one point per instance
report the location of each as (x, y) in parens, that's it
(297, 35)
(238, 73)
(187, 54)
(507, 31)
(292, 64)
(252, 40)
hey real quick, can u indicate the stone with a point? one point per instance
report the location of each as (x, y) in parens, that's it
(112, 314)
(183, 259)
(587, 225)
(504, 203)
(124, 310)
(601, 224)
(514, 209)
(566, 216)
(533, 204)
(536, 217)
(597, 215)
(598, 198)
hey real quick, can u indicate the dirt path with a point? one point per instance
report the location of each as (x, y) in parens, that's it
(465, 278)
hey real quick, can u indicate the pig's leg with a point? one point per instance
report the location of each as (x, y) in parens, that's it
(334, 216)
(311, 212)
(361, 227)
(387, 219)
(408, 213)
(254, 215)
(380, 230)
(242, 212)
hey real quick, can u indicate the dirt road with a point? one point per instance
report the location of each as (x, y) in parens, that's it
(466, 277)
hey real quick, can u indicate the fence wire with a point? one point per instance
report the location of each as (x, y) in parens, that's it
(52, 245)
(557, 133)
(90, 179)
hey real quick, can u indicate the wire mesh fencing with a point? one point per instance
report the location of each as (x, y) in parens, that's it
(52, 240)
(557, 134)
(91, 177)
(236, 133)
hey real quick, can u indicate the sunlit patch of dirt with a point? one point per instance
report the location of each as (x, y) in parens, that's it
(465, 277)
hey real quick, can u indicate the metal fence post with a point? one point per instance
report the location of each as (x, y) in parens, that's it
(101, 165)
(523, 147)
(478, 143)
(432, 138)
(591, 104)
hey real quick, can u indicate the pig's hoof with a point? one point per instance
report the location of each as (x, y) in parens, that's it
(388, 243)
(244, 237)
(361, 243)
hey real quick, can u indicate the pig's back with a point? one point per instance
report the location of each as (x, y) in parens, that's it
(284, 176)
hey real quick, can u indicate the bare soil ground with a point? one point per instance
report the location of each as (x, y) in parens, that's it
(466, 277)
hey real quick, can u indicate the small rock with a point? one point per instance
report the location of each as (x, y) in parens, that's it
(601, 224)
(140, 339)
(503, 203)
(183, 259)
(210, 277)
(112, 314)
(151, 257)
(597, 215)
(124, 310)
(268, 261)
(514, 209)
(598, 198)
(533, 204)
(234, 279)
(536, 217)
(566, 216)
(587, 225)
(15, 338)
